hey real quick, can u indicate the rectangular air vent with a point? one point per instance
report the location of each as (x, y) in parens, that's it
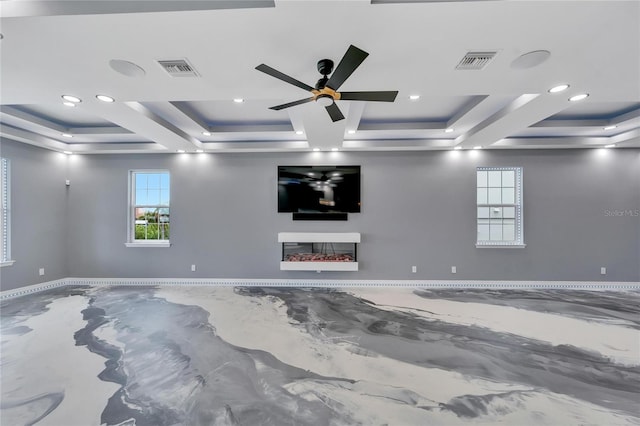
(475, 60)
(178, 68)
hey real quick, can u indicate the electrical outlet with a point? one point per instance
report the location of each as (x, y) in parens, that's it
(41, 271)
(603, 271)
(414, 269)
(193, 268)
(454, 270)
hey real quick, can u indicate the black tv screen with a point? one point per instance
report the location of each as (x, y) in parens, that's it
(319, 189)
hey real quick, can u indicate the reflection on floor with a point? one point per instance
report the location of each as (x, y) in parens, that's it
(280, 356)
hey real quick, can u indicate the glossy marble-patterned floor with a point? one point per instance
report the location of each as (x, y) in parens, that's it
(285, 356)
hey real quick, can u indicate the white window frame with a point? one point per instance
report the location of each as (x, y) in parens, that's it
(5, 213)
(131, 241)
(518, 242)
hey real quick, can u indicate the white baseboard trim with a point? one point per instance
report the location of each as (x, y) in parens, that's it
(36, 288)
(305, 283)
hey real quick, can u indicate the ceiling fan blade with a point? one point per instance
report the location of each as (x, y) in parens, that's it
(290, 104)
(281, 76)
(348, 64)
(389, 96)
(334, 112)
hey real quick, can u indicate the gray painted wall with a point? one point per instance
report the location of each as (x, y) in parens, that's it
(39, 215)
(417, 209)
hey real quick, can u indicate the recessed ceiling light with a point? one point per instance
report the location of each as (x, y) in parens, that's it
(414, 97)
(449, 130)
(559, 88)
(477, 147)
(579, 97)
(609, 127)
(67, 152)
(238, 100)
(69, 104)
(105, 98)
(205, 133)
(613, 145)
(458, 148)
(66, 135)
(351, 132)
(316, 149)
(299, 132)
(181, 151)
(71, 98)
(334, 149)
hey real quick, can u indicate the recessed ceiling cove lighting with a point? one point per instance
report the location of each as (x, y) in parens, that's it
(69, 104)
(316, 149)
(299, 132)
(613, 145)
(458, 148)
(71, 98)
(66, 135)
(199, 150)
(205, 133)
(559, 88)
(477, 147)
(609, 127)
(449, 130)
(351, 132)
(105, 98)
(238, 100)
(67, 152)
(414, 97)
(579, 97)
(334, 149)
(181, 151)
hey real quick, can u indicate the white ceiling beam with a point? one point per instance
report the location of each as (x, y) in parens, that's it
(255, 146)
(625, 118)
(115, 148)
(99, 130)
(191, 114)
(32, 119)
(404, 125)
(552, 142)
(21, 135)
(625, 137)
(320, 131)
(354, 118)
(572, 124)
(465, 110)
(398, 145)
(11, 9)
(522, 112)
(142, 121)
(251, 128)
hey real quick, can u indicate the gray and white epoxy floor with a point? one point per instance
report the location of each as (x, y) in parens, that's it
(279, 356)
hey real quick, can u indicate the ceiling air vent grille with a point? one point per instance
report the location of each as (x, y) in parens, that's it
(178, 68)
(475, 60)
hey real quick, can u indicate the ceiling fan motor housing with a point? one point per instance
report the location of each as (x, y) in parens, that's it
(325, 66)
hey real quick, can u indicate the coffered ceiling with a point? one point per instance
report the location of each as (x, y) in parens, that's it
(53, 48)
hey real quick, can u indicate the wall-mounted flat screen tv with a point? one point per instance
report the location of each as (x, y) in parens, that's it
(319, 189)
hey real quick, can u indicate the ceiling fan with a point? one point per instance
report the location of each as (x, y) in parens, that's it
(325, 91)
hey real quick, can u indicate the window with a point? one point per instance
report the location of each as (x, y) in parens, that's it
(5, 214)
(499, 207)
(149, 223)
